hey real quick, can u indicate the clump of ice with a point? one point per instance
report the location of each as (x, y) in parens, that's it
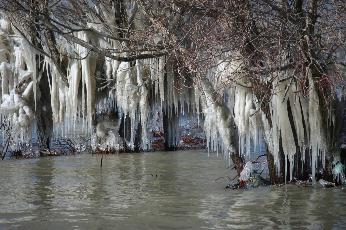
(338, 171)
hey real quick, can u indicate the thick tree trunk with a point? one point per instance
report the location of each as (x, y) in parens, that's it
(274, 178)
(44, 112)
(125, 132)
(43, 109)
(138, 138)
(170, 125)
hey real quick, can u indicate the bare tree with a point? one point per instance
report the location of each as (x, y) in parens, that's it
(282, 48)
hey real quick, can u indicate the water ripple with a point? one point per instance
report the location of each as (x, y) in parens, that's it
(153, 191)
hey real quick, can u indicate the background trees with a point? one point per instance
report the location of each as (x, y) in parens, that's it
(271, 66)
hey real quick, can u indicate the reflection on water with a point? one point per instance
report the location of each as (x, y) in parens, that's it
(175, 190)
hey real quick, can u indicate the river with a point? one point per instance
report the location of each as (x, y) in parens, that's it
(160, 190)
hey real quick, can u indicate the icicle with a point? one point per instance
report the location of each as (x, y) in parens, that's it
(143, 106)
(317, 137)
(54, 96)
(197, 102)
(281, 125)
(74, 80)
(161, 78)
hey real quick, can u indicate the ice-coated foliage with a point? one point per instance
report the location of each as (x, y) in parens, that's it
(111, 100)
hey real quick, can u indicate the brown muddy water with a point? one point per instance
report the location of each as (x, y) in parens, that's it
(161, 190)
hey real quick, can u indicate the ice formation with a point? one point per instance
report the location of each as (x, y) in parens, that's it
(253, 168)
(16, 113)
(338, 171)
(295, 126)
(228, 109)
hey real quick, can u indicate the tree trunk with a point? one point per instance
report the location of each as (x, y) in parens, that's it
(44, 111)
(170, 129)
